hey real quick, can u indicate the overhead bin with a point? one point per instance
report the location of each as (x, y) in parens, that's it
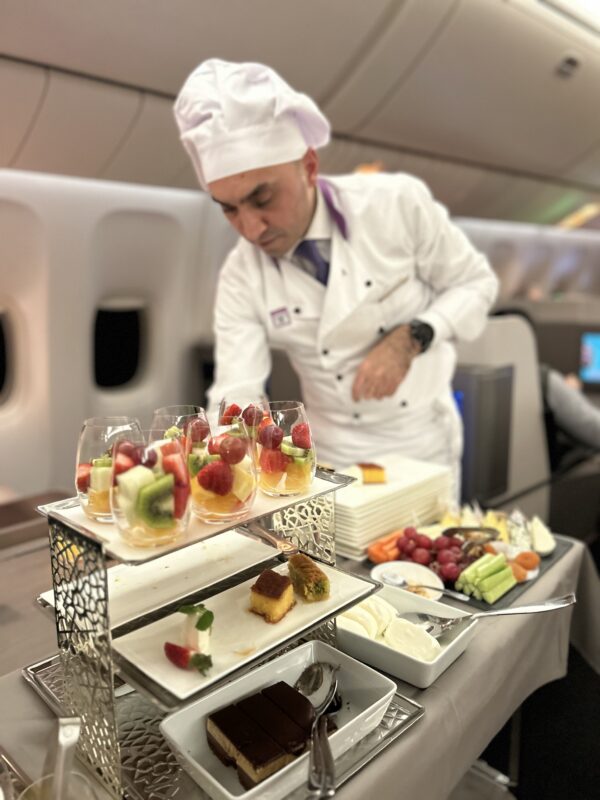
(78, 127)
(488, 91)
(22, 89)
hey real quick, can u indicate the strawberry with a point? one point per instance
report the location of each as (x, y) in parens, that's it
(174, 463)
(252, 415)
(216, 477)
(180, 497)
(197, 431)
(214, 444)
(82, 477)
(122, 463)
(270, 436)
(301, 436)
(232, 450)
(170, 447)
(230, 412)
(186, 658)
(266, 420)
(273, 460)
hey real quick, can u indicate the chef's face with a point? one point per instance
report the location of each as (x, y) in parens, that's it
(271, 207)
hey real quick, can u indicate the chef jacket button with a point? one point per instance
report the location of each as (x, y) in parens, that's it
(297, 310)
(368, 283)
(325, 351)
(356, 415)
(340, 377)
(403, 403)
(381, 331)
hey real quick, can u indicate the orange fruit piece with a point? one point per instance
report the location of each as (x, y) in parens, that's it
(528, 559)
(518, 571)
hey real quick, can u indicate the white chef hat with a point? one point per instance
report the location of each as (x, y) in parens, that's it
(237, 117)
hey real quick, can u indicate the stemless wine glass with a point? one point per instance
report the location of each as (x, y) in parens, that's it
(170, 420)
(94, 462)
(287, 458)
(150, 489)
(222, 473)
(79, 788)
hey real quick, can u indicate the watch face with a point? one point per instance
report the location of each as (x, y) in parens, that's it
(422, 333)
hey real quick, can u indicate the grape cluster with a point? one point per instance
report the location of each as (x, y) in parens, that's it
(444, 555)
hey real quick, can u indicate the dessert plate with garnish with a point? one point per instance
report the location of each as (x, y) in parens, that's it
(249, 621)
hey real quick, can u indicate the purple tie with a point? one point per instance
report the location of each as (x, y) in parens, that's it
(308, 250)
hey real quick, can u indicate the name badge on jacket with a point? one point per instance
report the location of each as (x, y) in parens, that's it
(280, 317)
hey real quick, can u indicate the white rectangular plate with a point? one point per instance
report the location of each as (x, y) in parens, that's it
(239, 636)
(412, 670)
(137, 590)
(365, 696)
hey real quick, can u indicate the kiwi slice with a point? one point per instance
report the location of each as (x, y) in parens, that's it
(290, 449)
(195, 463)
(103, 461)
(301, 460)
(155, 502)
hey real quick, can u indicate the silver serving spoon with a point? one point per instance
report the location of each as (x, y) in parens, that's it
(437, 626)
(389, 577)
(318, 683)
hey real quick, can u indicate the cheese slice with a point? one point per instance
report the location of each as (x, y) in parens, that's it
(412, 640)
(543, 541)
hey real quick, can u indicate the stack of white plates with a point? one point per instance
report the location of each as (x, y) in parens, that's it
(416, 493)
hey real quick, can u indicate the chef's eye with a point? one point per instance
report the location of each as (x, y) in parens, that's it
(262, 202)
(229, 211)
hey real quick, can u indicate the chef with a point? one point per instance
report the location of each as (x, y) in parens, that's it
(361, 279)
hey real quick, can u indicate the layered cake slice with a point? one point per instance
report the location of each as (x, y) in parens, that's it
(292, 703)
(280, 727)
(237, 739)
(272, 595)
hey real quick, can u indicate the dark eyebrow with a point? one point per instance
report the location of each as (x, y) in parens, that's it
(248, 198)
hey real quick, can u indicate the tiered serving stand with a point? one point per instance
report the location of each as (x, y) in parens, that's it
(120, 710)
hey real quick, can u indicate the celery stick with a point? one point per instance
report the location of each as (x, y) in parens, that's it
(495, 565)
(493, 580)
(502, 588)
(470, 572)
(477, 594)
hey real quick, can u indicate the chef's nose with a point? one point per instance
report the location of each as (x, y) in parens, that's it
(252, 225)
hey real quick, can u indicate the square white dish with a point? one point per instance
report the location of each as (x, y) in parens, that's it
(365, 697)
(137, 590)
(238, 636)
(419, 673)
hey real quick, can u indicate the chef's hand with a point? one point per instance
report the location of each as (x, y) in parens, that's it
(386, 365)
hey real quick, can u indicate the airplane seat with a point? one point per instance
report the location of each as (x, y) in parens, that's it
(508, 341)
(79, 255)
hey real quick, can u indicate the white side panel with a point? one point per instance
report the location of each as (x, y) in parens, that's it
(80, 125)
(69, 248)
(21, 90)
(152, 152)
(510, 340)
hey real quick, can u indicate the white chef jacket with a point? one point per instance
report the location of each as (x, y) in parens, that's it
(401, 259)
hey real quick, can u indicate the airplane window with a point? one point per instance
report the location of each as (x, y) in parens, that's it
(3, 354)
(117, 345)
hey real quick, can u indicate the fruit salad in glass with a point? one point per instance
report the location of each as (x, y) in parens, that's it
(286, 453)
(150, 490)
(222, 471)
(93, 471)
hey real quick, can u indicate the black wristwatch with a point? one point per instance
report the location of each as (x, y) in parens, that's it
(421, 333)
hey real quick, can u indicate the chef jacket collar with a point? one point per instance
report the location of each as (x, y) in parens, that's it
(326, 215)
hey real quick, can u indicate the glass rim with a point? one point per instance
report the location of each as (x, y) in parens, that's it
(105, 422)
(176, 411)
(286, 405)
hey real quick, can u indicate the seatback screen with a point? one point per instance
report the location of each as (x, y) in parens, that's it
(589, 364)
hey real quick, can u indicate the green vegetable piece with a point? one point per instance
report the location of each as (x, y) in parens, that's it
(487, 584)
(173, 432)
(498, 591)
(190, 609)
(201, 662)
(470, 572)
(497, 563)
(195, 464)
(103, 461)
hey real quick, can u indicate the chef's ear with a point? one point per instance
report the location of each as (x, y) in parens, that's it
(310, 162)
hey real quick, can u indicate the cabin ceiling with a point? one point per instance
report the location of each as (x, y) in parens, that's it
(467, 94)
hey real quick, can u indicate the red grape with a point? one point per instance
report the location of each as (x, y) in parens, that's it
(441, 543)
(411, 533)
(406, 546)
(232, 450)
(447, 556)
(449, 572)
(421, 556)
(424, 541)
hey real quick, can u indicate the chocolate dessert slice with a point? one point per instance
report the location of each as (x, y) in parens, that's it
(294, 704)
(291, 737)
(235, 738)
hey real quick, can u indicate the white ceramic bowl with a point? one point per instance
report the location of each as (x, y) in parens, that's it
(409, 669)
(365, 697)
(412, 573)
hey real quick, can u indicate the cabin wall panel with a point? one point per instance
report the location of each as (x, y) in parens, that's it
(22, 88)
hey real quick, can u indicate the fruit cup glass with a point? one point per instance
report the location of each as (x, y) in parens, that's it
(234, 410)
(287, 458)
(93, 477)
(170, 420)
(150, 489)
(223, 473)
